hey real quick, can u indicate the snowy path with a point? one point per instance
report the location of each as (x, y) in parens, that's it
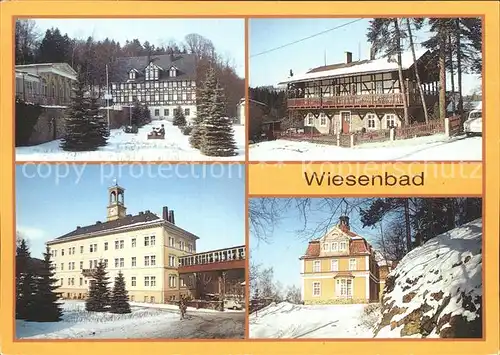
(133, 147)
(143, 322)
(286, 320)
(436, 148)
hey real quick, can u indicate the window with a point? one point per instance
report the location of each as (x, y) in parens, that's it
(390, 120)
(95, 264)
(335, 265)
(132, 298)
(122, 262)
(122, 244)
(182, 282)
(146, 281)
(62, 252)
(157, 111)
(81, 281)
(113, 86)
(62, 266)
(171, 241)
(81, 249)
(153, 281)
(134, 242)
(134, 261)
(117, 244)
(190, 248)
(172, 72)
(316, 289)
(343, 246)
(105, 245)
(344, 287)
(146, 261)
(153, 260)
(172, 281)
(379, 87)
(153, 240)
(90, 264)
(105, 263)
(175, 112)
(146, 241)
(322, 119)
(117, 262)
(152, 299)
(371, 121)
(122, 86)
(62, 282)
(81, 265)
(133, 281)
(171, 260)
(165, 112)
(146, 299)
(93, 248)
(352, 264)
(310, 120)
(335, 246)
(55, 252)
(326, 247)
(186, 112)
(131, 75)
(317, 266)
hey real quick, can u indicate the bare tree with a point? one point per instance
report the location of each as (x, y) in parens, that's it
(200, 46)
(293, 294)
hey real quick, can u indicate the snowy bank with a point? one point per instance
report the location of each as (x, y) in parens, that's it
(436, 289)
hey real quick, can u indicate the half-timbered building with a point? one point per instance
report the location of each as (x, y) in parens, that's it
(162, 82)
(362, 95)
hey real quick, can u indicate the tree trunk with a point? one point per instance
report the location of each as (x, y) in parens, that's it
(452, 72)
(402, 88)
(407, 224)
(417, 75)
(442, 76)
(459, 68)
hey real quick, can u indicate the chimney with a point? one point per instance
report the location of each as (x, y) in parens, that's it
(78, 227)
(348, 57)
(98, 222)
(344, 223)
(171, 217)
(165, 213)
(291, 73)
(141, 213)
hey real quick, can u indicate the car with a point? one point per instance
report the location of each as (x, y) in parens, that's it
(474, 123)
(233, 304)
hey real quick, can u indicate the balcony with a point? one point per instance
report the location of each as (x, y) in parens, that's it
(394, 100)
(223, 259)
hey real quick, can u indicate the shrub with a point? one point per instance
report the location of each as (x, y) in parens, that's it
(186, 130)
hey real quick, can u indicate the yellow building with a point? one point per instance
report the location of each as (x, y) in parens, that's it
(339, 267)
(144, 247)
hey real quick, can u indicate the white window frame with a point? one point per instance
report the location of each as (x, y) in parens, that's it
(390, 118)
(315, 264)
(316, 286)
(344, 282)
(342, 246)
(326, 246)
(322, 119)
(152, 240)
(133, 281)
(133, 262)
(335, 246)
(336, 263)
(371, 119)
(353, 265)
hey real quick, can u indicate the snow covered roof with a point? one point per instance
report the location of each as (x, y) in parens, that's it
(353, 68)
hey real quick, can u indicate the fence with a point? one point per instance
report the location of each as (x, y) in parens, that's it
(420, 130)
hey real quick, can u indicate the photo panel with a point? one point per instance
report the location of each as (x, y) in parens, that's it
(130, 252)
(365, 268)
(366, 89)
(111, 89)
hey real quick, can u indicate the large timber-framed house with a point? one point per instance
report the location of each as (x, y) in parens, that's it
(362, 95)
(162, 82)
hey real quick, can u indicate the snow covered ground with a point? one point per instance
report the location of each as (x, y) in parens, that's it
(286, 320)
(145, 321)
(437, 292)
(436, 148)
(134, 147)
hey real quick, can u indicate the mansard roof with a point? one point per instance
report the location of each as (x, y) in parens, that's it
(184, 63)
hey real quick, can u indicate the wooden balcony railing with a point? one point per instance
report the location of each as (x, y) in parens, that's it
(216, 256)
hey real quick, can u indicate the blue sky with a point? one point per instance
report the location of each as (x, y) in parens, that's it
(227, 35)
(273, 67)
(208, 200)
(288, 242)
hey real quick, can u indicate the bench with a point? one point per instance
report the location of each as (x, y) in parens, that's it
(156, 136)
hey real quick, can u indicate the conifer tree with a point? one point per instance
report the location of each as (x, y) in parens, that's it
(98, 126)
(25, 281)
(179, 118)
(119, 298)
(45, 307)
(137, 114)
(218, 138)
(202, 102)
(98, 298)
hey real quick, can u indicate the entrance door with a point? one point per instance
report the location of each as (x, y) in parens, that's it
(345, 117)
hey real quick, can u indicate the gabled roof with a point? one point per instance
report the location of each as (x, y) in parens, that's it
(63, 69)
(357, 67)
(185, 64)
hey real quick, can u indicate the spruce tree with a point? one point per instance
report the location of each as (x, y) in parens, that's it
(45, 307)
(179, 118)
(98, 126)
(218, 138)
(202, 103)
(137, 114)
(76, 122)
(119, 298)
(25, 281)
(98, 298)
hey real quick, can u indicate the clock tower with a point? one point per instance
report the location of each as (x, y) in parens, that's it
(116, 206)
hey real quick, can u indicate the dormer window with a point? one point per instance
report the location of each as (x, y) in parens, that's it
(326, 247)
(343, 246)
(335, 246)
(131, 75)
(172, 72)
(152, 72)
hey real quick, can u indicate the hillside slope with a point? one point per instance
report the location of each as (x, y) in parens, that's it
(436, 290)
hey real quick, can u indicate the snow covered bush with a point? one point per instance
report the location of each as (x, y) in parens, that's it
(371, 315)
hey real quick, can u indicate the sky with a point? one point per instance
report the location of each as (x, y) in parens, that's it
(288, 243)
(227, 35)
(274, 66)
(208, 200)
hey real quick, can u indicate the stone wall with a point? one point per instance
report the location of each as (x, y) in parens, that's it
(50, 124)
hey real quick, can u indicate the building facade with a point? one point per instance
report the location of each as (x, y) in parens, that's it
(144, 247)
(48, 84)
(162, 82)
(362, 95)
(339, 267)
